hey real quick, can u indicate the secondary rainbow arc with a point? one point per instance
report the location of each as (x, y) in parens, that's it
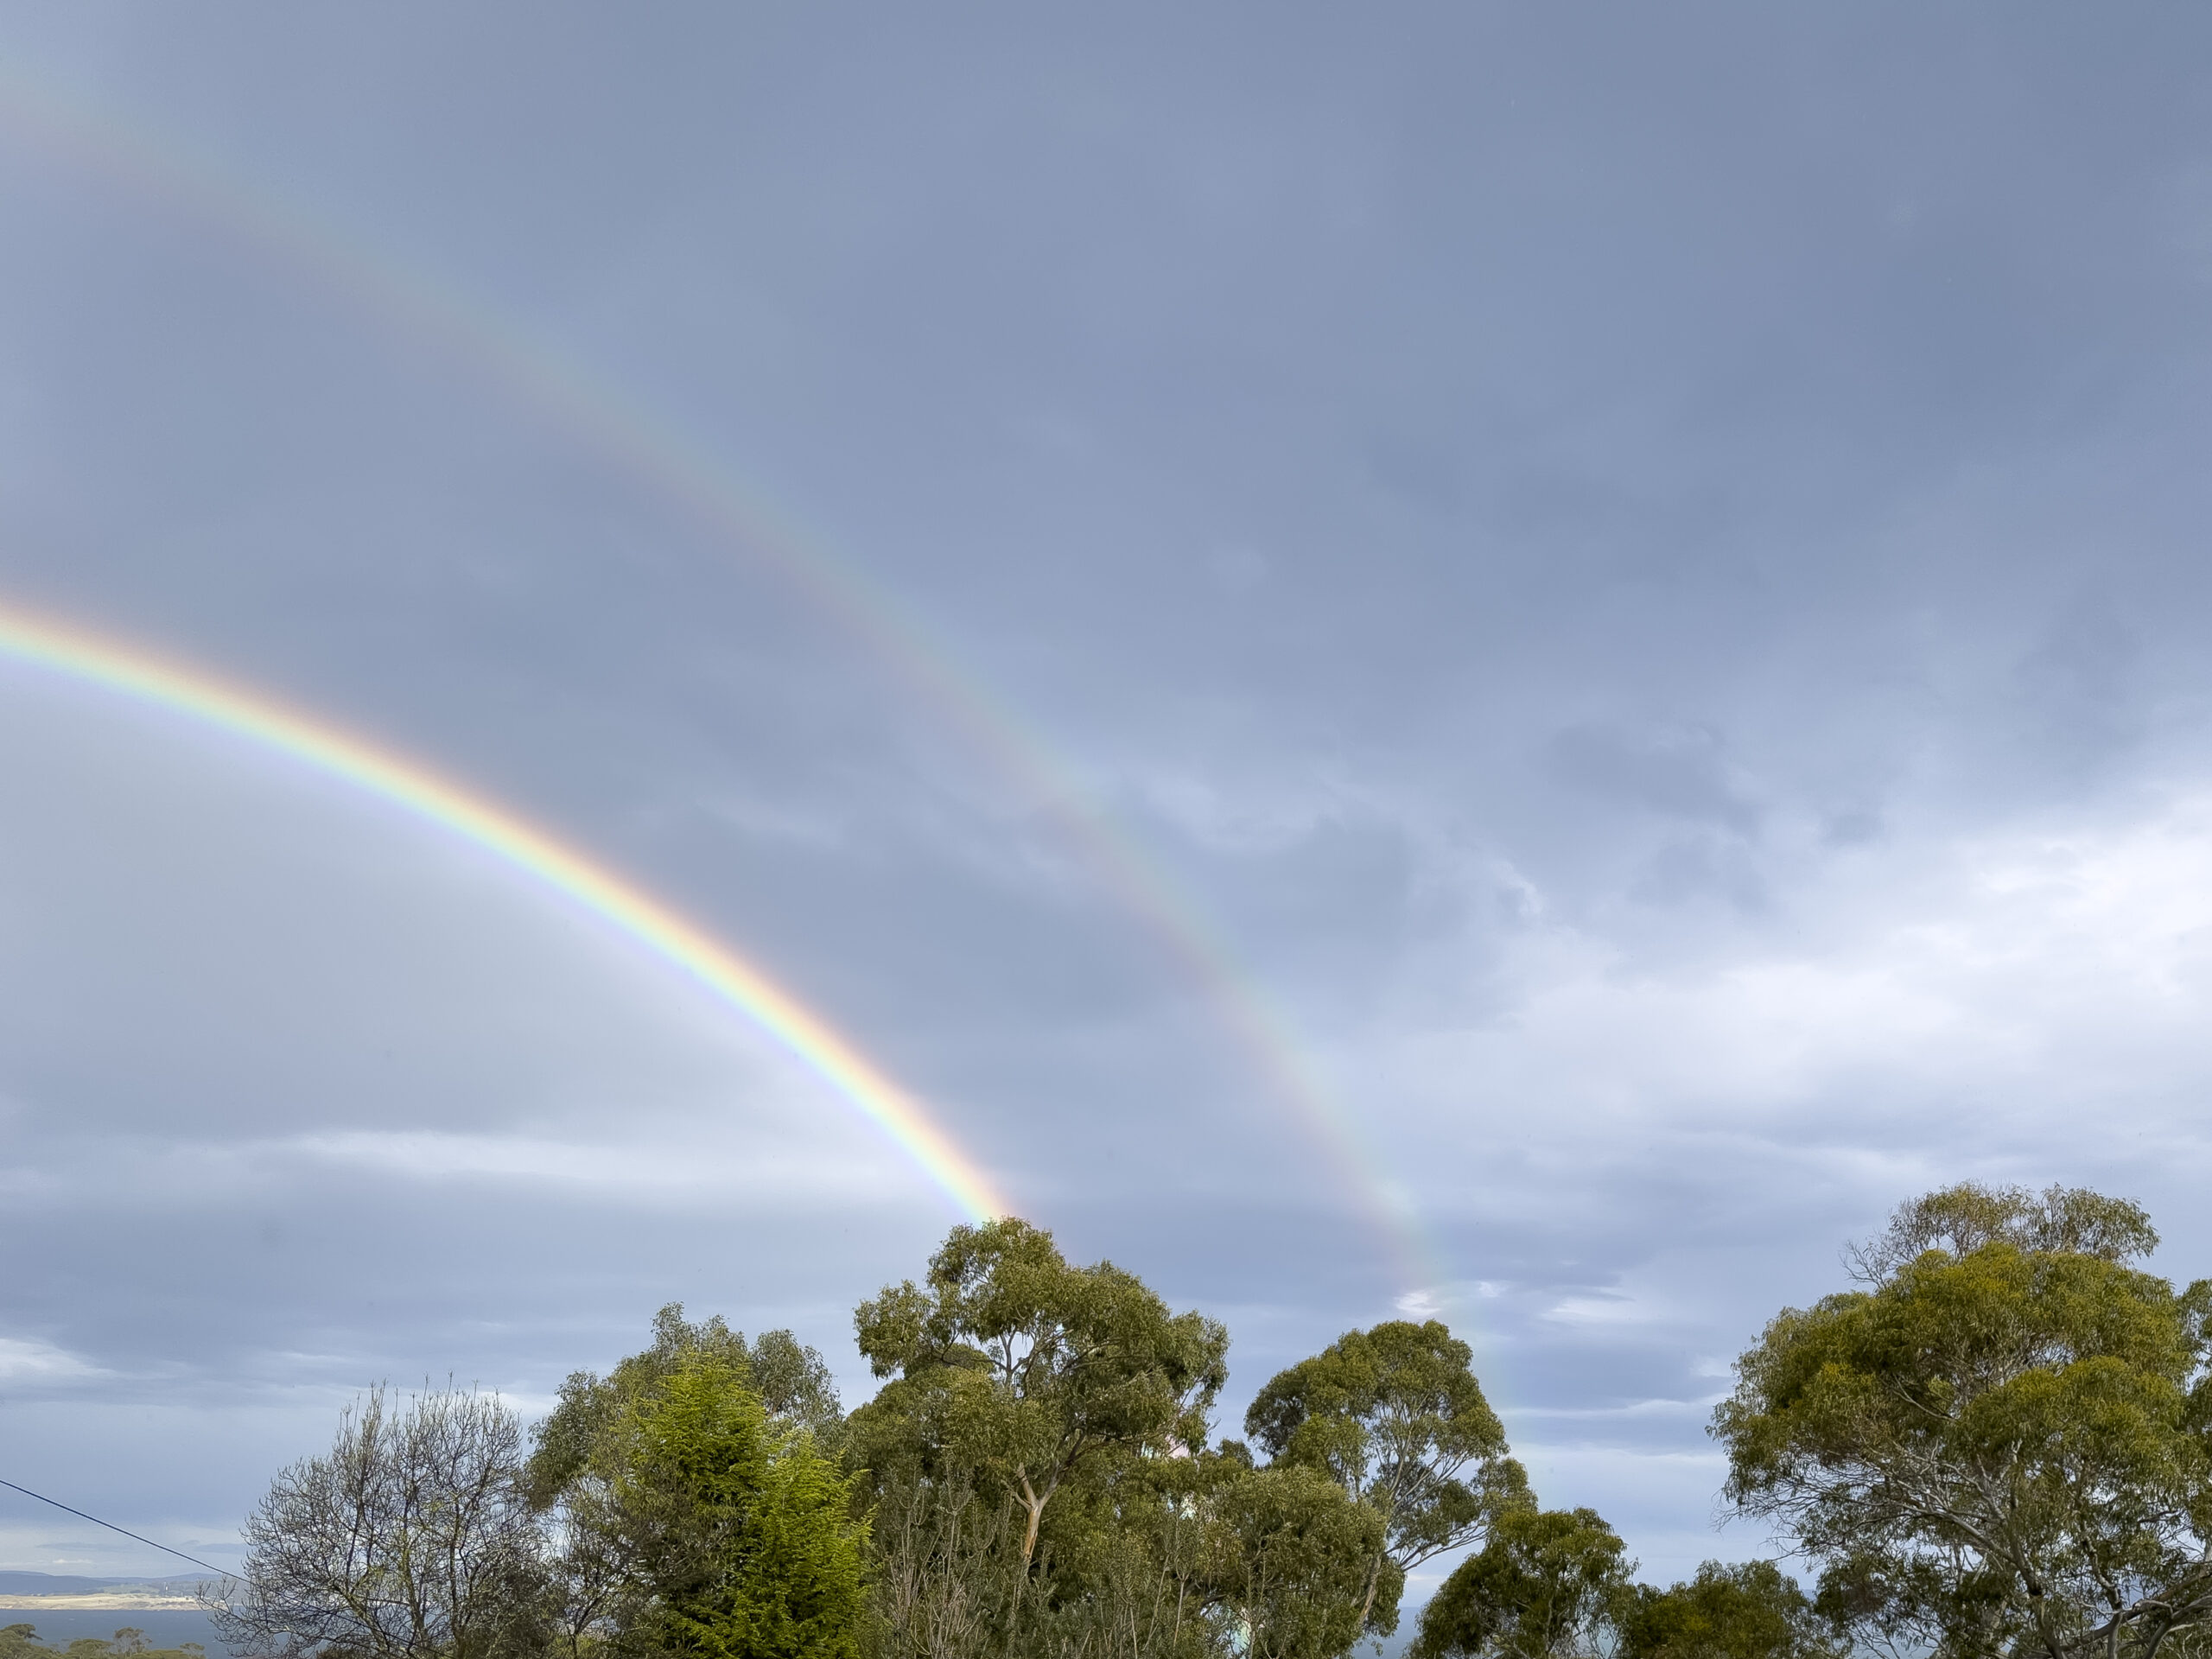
(740, 985)
(652, 451)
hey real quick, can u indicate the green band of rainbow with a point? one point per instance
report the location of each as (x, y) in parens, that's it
(164, 172)
(167, 684)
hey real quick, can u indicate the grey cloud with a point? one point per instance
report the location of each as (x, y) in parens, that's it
(2078, 703)
(1685, 869)
(1677, 773)
(1646, 579)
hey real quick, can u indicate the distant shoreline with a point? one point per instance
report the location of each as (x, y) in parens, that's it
(99, 1603)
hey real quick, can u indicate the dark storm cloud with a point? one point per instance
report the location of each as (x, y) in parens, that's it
(1639, 572)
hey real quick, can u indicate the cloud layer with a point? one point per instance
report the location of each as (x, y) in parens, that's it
(1448, 661)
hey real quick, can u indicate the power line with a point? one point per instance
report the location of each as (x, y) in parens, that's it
(112, 1527)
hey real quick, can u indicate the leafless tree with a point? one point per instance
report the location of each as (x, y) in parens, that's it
(411, 1539)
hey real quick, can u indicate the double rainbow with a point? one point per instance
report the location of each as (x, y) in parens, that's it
(43, 119)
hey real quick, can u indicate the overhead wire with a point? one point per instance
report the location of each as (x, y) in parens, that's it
(112, 1527)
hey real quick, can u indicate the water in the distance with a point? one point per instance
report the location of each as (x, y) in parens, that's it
(164, 1627)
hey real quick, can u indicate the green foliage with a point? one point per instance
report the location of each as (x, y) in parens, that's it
(2000, 1446)
(586, 1444)
(698, 1518)
(1175, 1558)
(1546, 1585)
(21, 1642)
(735, 1537)
(951, 1584)
(1293, 1565)
(1017, 1372)
(1035, 1480)
(1749, 1611)
(1030, 1458)
(1394, 1416)
(792, 1381)
(947, 1579)
(1959, 1220)
(1044, 1485)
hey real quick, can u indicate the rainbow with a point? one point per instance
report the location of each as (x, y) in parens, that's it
(664, 461)
(167, 684)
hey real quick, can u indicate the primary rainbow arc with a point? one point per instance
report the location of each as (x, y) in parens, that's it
(653, 452)
(818, 1046)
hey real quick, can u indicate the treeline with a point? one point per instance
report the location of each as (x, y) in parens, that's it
(2000, 1443)
(21, 1642)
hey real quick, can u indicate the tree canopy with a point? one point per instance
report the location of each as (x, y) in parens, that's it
(1997, 1443)
(22, 1642)
(411, 1539)
(1999, 1446)
(1024, 1370)
(1546, 1585)
(792, 1381)
(1296, 1567)
(1394, 1416)
(1747, 1610)
(735, 1539)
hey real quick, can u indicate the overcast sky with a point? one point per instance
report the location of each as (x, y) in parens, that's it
(1518, 662)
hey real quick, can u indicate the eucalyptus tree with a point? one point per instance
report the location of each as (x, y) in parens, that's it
(1745, 1609)
(1018, 1372)
(1292, 1560)
(1998, 1445)
(1547, 1584)
(1396, 1418)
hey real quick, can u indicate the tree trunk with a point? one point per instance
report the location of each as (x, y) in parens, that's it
(1373, 1583)
(1035, 1506)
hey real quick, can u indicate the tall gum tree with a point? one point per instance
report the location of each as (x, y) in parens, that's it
(1999, 1447)
(1011, 1366)
(1547, 1584)
(1394, 1416)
